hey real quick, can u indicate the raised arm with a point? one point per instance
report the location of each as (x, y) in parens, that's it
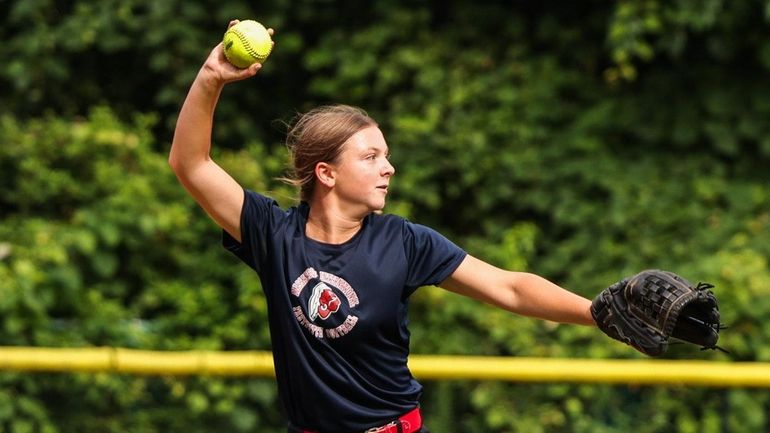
(213, 188)
(519, 292)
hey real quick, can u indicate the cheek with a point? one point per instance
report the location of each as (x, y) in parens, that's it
(361, 176)
(363, 173)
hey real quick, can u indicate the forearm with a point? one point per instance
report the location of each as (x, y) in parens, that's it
(191, 146)
(535, 296)
(519, 292)
(213, 188)
(192, 136)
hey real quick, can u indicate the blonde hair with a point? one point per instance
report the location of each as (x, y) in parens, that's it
(318, 136)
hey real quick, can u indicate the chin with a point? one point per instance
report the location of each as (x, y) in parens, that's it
(377, 207)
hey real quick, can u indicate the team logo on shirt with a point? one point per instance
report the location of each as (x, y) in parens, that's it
(324, 305)
(323, 302)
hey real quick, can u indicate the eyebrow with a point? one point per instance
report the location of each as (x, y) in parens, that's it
(377, 149)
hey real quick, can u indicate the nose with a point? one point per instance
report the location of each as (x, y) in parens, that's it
(388, 169)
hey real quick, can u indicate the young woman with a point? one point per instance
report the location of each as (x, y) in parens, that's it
(336, 272)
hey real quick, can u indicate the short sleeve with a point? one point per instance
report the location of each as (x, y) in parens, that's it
(431, 257)
(258, 216)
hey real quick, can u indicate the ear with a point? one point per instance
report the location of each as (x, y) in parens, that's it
(325, 174)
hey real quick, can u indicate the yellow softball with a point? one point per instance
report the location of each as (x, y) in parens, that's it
(246, 43)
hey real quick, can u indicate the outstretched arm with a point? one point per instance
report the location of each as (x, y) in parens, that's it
(213, 188)
(519, 292)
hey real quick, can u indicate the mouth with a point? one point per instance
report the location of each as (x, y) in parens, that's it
(383, 188)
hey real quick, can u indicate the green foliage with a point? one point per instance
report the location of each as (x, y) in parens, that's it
(582, 141)
(100, 246)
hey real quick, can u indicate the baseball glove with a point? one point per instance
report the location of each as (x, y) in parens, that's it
(645, 310)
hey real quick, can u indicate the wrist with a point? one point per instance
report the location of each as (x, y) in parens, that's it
(590, 321)
(209, 80)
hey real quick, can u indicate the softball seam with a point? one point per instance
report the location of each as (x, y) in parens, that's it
(252, 52)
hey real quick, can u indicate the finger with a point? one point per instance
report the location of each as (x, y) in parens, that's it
(218, 51)
(235, 74)
(250, 71)
(270, 31)
(232, 23)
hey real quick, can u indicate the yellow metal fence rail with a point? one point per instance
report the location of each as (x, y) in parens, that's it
(256, 363)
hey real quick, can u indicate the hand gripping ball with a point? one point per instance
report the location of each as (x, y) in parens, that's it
(246, 43)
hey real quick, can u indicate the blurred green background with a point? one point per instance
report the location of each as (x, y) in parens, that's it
(583, 141)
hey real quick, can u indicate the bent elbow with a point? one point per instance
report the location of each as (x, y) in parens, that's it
(173, 162)
(179, 165)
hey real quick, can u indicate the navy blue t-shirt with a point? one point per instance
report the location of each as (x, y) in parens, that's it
(338, 313)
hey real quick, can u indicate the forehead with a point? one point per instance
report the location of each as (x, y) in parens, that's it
(367, 138)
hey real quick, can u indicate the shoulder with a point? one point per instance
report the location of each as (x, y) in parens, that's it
(389, 223)
(255, 198)
(386, 220)
(258, 200)
(392, 221)
(262, 210)
(406, 230)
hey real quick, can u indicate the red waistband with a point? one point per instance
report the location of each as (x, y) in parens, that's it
(409, 422)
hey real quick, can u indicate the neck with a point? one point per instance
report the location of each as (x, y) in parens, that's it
(330, 226)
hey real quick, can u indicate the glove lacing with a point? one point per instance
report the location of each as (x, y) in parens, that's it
(713, 325)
